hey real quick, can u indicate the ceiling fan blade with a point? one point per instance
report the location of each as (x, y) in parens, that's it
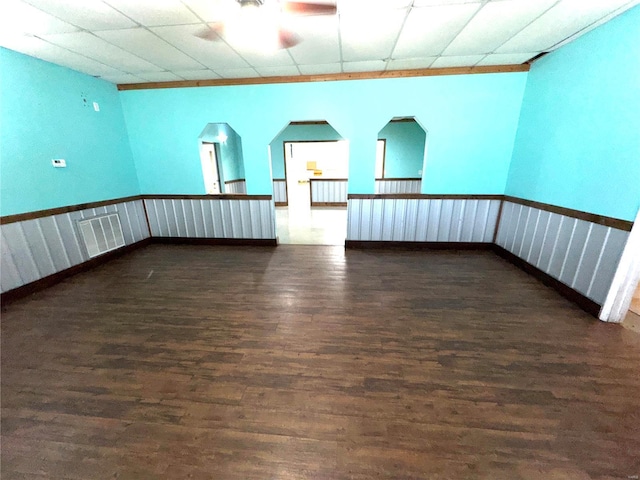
(213, 33)
(304, 8)
(287, 39)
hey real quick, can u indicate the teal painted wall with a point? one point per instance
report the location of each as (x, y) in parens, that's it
(44, 116)
(404, 149)
(578, 141)
(294, 133)
(471, 121)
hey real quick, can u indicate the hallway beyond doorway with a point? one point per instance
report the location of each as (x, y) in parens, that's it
(311, 226)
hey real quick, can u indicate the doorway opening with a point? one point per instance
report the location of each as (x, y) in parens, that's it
(222, 161)
(400, 156)
(310, 164)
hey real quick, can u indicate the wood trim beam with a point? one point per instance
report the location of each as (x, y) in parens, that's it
(399, 179)
(21, 217)
(328, 204)
(222, 196)
(328, 179)
(332, 77)
(421, 196)
(589, 217)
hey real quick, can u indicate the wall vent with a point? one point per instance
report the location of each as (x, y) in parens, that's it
(101, 234)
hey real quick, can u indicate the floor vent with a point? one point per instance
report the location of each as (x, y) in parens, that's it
(102, 234)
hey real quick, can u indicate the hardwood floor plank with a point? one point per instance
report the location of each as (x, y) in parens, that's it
(296, 362)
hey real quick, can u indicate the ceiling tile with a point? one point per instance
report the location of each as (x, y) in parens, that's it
(433, 3)
(410, 63)
(97, 49)
(459, 61)
(429, 30)
(507, 58)
(143, 43)
(278, 71)
(38, 48)
(494, 24)
(320, 69)
(279, 58)
(211, 54)
(159, 76)
(320, 42)
(212, 10)
(563, 20)
(17, 18)
(366, 66)
(237, 73)
(155, 12)
(370, 35)
(359, 6)
(196, 74)
(88, 14)
(124, 78)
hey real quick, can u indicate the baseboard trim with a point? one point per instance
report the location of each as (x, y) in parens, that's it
(252, 242)
(569, 293)
(370, 244)
(50, 280)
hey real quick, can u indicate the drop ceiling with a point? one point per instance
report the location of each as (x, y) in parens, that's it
(134, 41)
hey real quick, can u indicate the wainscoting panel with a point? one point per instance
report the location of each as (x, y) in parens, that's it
(579, 253)
(38, 247)
(422, 219)
(236, 187)
(399, 185)
(327, 191)
(211, 217)
(280, 191)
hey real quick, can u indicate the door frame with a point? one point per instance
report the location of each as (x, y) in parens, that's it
(625, 281)
(216, 153)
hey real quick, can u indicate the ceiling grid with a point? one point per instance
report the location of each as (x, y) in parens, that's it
(139, 41)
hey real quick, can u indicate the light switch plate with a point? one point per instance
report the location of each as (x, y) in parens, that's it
(58, 163)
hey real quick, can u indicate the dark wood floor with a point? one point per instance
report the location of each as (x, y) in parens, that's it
(297, 362)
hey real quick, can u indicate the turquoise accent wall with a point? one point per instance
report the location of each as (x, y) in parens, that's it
(471, 121)
(292, 133)
(578, 141)
(404, 149)
(44, 116)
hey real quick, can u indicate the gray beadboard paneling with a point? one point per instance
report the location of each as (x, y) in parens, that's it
(590, 256)
(236, 187)
(10, 277)
(606, 269)
(329, 191)
(390, 186)
(211, 218)
(422, 220)
(279, 190)
(34, 249)
(581, 254)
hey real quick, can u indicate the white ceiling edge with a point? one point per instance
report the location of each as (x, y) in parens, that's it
(594, 25)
